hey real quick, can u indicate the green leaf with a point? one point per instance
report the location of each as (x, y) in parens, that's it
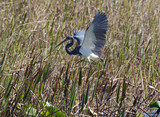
(155, 104)
(123, 90)
(83, 101)
(51, 111)
(1, 63)
(85, 98)
(98, 68)
(27, 106)
(89, 74)
(118, 93)
(87, 93)
(139, 115)
(80, 77)
(31, 111)
(51, 30)
(72, 97)
(47, 24)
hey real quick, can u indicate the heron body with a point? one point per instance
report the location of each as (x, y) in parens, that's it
(90, 41)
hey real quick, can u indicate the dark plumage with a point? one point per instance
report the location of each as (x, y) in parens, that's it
(90, 41)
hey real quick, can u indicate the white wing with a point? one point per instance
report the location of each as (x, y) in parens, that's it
(95, 36)
(79, 36)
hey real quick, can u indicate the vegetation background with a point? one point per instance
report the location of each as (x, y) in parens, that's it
(33, 71)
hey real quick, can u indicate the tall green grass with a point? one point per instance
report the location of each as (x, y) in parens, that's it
(33, 71)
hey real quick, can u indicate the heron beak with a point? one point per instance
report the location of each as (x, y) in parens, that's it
(61, 43)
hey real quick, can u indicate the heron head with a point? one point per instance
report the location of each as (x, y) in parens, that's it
(68, 38)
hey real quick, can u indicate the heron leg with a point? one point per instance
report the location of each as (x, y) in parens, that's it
(89, 59)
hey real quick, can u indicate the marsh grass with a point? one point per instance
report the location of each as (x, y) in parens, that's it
(33, 72)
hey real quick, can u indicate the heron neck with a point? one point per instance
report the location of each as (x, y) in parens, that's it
(73, 52)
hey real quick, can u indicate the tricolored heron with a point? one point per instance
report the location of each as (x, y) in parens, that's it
(90, 41)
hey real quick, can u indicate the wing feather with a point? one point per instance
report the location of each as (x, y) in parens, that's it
(79, 36)
(95, 35)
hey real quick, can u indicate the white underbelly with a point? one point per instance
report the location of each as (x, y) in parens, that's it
(88, 54)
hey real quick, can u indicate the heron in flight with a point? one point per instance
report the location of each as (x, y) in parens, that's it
(91, 40)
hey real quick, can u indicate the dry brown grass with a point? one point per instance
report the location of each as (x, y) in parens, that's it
(32, 71)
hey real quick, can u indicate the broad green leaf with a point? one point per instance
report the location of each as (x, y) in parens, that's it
(31, 112)
(155, 104)
(51, 111)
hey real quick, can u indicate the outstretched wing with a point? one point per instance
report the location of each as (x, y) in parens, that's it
(79, 36)
(95, 36)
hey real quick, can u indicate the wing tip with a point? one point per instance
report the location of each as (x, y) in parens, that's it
(101, 17)
(101, 14)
